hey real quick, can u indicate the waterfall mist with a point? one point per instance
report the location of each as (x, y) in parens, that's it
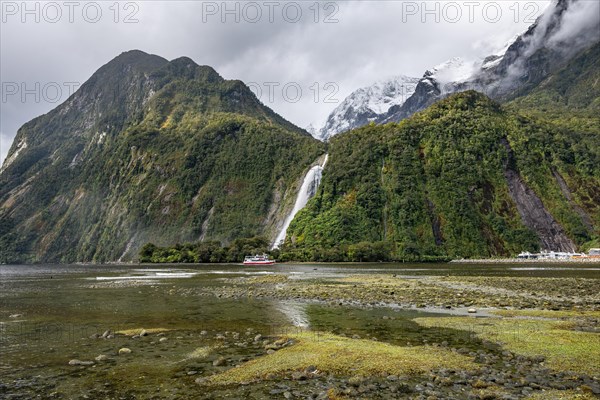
(309, 187)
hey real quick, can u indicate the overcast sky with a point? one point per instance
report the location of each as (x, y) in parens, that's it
(327, 49)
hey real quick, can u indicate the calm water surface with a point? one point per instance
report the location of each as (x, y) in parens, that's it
(49, 312)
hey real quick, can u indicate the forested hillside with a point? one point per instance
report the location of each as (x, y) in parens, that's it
(464, 178)
(148, 150)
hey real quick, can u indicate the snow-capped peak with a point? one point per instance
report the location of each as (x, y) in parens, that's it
(494, 59)
(367, 104)
(453, 70)
(384, 94)
(312, 130)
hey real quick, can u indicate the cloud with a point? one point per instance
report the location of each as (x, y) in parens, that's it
(580, 25)
(370, 41)
(564, 30)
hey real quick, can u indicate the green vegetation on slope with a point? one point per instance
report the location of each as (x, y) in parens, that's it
(569, 98)
(149, 151)
(568, 104)
(434, 185)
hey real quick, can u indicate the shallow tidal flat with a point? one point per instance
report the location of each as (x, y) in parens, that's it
(300, 332)
(444, 292)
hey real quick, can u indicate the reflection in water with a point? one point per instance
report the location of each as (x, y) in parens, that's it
(157, 275)
(295, 311)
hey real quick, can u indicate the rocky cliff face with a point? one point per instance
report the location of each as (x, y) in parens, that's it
(533, 213)
(536, 217)
(98, 110)
(148, 150)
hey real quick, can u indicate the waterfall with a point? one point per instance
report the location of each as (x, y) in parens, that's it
(307, 191)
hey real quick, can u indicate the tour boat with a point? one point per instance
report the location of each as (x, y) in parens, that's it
(258, 260)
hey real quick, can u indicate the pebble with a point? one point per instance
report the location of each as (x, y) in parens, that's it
(479, 384)
(356, 380)
(124, 350)
(311, 369)
(75, 362)
(219, 362)
(163, 339)
(514, 380)
(299, 376)
(101, 357)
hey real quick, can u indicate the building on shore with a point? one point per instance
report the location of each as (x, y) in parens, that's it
(594, 253)
(551, 255)
(525, 255)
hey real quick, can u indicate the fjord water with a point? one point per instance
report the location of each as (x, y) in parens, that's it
(48, 314)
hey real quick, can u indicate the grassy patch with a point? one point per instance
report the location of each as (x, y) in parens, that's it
(547, 314)
(344, 356)
(564, 349)
(276, 278)
(561, 395)
(378, 280)
(201, 352)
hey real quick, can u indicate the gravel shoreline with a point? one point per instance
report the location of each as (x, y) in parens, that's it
(490, 369)
(422, 292)
(595, 261)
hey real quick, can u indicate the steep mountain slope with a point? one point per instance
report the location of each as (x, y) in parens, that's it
(368, 104)
(546, 47)
(463, 178)
(564, 30)
(148, 150)
(569, 98)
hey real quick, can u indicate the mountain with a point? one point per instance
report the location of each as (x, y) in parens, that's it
(466, 177)
(569, 98)
(148, 150)
(547, 46)
(368, 104)
(564, 30)
(435, 84)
